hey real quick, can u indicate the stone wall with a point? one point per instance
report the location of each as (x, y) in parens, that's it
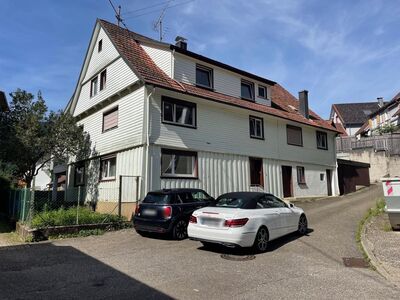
(382, 164)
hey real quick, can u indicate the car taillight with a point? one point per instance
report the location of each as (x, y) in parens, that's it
(193, 219)
(236, 222)
(167, 212)
(137, 209)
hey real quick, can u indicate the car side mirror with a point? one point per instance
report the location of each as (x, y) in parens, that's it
(291, 205)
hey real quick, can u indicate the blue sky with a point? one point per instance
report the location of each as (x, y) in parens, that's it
(341, 51)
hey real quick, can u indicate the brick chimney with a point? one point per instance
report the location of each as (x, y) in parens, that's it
(303, 104)
(380, 101)
(180, 42)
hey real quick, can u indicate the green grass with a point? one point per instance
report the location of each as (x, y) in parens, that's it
(68, 216)
(372, 212)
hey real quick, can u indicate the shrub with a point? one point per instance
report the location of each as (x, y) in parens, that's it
(67, 216)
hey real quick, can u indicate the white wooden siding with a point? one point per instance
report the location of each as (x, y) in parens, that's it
(162, 58)
(119, 76)
(129, 132)
(220, 173)
(97, 60)
(128, 163)
(225, 82)
(225, 129)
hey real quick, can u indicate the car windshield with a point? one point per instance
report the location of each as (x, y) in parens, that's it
(156, 198)
(234, 202)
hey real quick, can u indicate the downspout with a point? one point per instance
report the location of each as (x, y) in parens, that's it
(147, 143)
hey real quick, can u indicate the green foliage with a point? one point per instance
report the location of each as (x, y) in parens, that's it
(81, 233)
(64, 217)
(30, 136)
(387, 128)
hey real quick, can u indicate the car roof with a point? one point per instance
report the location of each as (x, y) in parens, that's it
(244, 195)
(175, 191)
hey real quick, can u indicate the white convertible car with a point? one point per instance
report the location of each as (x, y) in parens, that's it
(246, 219)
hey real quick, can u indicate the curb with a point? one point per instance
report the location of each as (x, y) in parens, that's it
(373, 260)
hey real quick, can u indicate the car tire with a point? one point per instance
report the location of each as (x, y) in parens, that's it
(303, 225)
(179, 231)
(261, 241)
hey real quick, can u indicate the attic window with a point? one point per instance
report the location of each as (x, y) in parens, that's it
(93, 87)
(247, 90)
(100, 46)
(262, 91)
(103, 79)
(204, 76)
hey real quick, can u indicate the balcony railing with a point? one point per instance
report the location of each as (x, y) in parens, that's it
(388, 143)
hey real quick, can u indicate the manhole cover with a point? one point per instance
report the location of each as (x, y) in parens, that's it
(237, 258)
(355, 262)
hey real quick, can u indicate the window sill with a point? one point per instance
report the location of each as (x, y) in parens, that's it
(179, 125)
(247, 99)
(297, 145)
(109, 129)
(107, 179)
(179, 177)
(205, 87)
(257, 138)
(320, 148)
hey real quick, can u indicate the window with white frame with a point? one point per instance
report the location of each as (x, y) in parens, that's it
(322, 140)
(247, 90)
(262, 92)
(178, 112)
(94, 86)
(301, 177)
(108, 167)
(103, 79)
(256, 127)
(204, 76)
(110, 119)
(176, 163)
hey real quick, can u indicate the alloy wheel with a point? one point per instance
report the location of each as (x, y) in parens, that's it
(180, 230)
(303, 225)
(262, 239)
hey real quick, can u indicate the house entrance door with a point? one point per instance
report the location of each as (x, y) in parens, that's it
(287, 181)
(256, 172)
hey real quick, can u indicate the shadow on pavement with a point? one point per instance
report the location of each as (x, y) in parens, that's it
(272, 246)
(59, 272)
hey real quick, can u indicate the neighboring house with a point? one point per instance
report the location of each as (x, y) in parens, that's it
(178, 119)
(352, 116)
(3, 102)
(388, 114)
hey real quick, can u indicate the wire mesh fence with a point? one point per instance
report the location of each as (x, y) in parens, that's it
(108, 202)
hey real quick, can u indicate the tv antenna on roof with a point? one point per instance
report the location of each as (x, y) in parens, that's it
(158, 25)
(118, 14)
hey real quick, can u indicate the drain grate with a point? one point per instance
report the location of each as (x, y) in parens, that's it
(355, 262)
(237, 257)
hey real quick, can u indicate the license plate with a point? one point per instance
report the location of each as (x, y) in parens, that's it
(211, 222)
(149, 212)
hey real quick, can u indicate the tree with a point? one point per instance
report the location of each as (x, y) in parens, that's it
(387, 128)
(31, 136)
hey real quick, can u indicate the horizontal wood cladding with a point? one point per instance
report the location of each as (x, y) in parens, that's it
(225, 129)
(119, 76)
(161, 57)
(130, 124)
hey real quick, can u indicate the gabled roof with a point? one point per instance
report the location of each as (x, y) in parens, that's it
(340, 128)
(364, 128)
(355, 113)
(3, 102)
(128, 45)
(394, 101)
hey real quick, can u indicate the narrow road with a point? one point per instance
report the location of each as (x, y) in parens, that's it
(124, 265)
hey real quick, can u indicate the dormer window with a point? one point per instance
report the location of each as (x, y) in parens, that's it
(262, 92)
(100, 46)
(247, 90)
(204, 76)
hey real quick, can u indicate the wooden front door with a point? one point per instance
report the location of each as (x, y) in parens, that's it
(329, 181)
(256, 172)
(287, 181)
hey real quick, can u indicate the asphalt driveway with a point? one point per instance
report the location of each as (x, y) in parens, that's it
(124, 265)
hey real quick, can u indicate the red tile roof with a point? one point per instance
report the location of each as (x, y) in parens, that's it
(128, 45)
(363, 128)
(341, 129)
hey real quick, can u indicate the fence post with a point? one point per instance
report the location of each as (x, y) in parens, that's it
(32, 202)
(77, 205)
(120, 196)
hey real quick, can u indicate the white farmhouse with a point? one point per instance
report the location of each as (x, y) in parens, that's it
(174, 118)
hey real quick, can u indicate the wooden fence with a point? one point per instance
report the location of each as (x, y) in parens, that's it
(388, 143)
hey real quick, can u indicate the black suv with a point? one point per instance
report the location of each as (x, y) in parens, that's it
(169, 210)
